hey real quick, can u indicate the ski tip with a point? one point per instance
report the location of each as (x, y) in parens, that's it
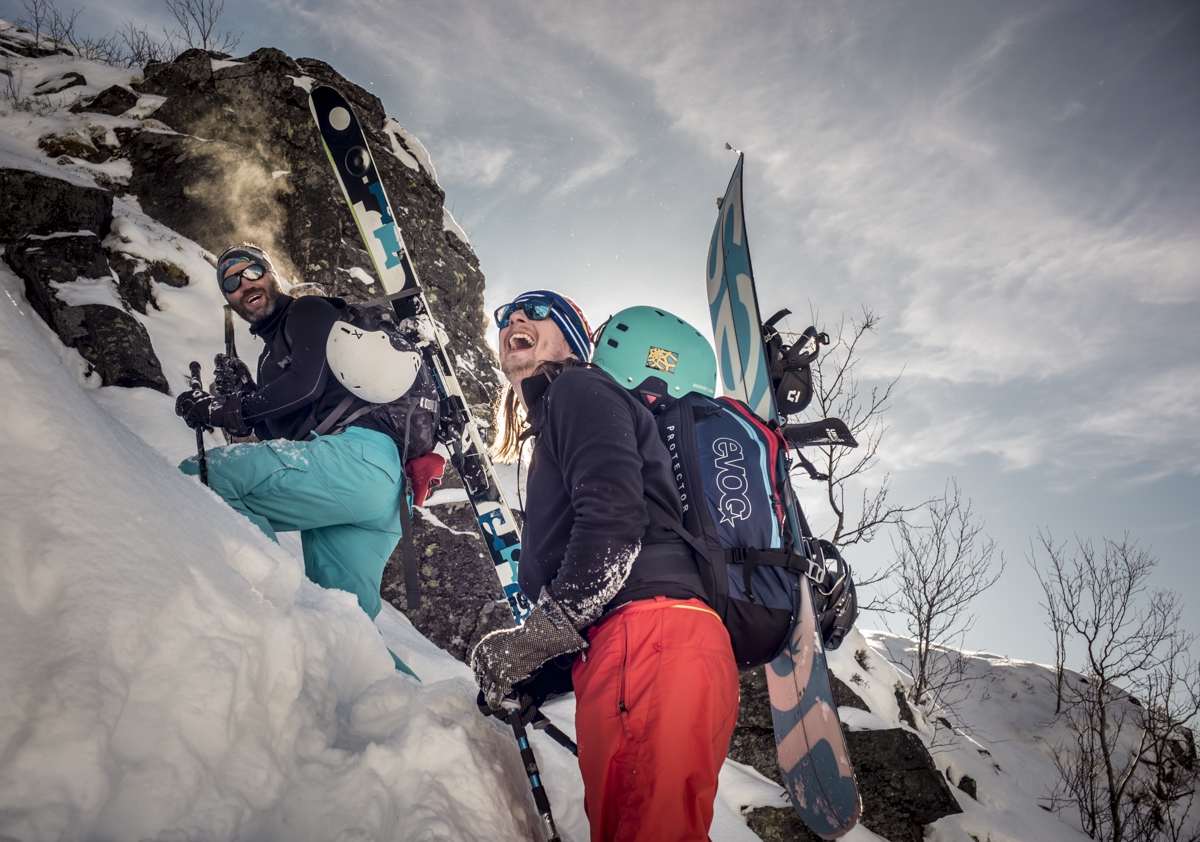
(727, 146)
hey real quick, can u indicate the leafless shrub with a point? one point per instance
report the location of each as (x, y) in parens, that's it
(198, 25)
(836, 394)
(140, 48)
(940, 568)
(1130, 770)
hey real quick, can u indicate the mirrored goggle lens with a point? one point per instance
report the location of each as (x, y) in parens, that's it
(251, 273)
(535, 309)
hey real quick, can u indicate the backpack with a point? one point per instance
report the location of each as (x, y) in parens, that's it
(377, 363)
(730, 469)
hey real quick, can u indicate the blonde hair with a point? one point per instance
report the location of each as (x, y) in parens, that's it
(510, 418)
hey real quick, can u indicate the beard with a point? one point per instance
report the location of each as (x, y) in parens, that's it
(518, 370)
(272, 294)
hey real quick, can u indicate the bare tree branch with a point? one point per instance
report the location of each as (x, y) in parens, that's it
(836, 394)
(1130, 771)
(198, 21)
(940, 568)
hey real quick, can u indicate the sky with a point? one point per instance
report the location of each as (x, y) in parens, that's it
(1011, 188)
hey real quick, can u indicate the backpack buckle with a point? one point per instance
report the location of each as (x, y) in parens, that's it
(815, 559)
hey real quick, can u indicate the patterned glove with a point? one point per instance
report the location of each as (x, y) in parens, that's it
(507, 656)
(195, 408)
(231, 376)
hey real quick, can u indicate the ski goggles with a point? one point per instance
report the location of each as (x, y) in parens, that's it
(252, 272)
(535, 309)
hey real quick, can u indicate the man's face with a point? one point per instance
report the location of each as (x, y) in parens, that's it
(254, 300)
(525, 343)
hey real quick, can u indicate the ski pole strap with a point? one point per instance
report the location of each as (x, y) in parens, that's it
(412, 584)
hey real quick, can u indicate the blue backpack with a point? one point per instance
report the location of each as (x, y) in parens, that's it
(730, 469)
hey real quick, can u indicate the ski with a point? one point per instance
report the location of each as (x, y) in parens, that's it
(808, 735)
(346, 146)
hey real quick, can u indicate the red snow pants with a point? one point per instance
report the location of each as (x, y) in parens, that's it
(656, 702)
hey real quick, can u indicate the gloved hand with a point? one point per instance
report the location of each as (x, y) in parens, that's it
(550, 680)
(231, 376)
(505, 657)
(195, 408)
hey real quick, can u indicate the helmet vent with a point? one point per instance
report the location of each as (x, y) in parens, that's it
(622, 328)
(612, 343)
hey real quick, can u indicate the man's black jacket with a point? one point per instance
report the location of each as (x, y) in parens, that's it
(295, 387)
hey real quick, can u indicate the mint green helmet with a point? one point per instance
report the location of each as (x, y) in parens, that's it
(644, 342)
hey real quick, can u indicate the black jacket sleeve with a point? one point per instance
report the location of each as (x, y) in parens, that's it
(590, 434)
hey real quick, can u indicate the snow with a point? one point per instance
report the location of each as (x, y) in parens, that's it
(304, 82)
(391, 128)
(449, 223)
(88, 291)
(406, 144)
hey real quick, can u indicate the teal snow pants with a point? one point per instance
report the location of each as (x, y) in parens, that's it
(341, 493)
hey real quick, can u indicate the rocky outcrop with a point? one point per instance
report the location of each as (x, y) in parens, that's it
(247, 164)
(112, 101)
(900, 786)
(66, 279)
(39, 204)
(460, 595)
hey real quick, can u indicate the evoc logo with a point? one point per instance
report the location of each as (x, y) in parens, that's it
(731, 481)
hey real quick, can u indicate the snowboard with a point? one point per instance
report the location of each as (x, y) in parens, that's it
(346, 147)
(808, 735)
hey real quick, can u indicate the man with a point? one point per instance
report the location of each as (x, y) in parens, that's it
(338, 484)
(656, 683)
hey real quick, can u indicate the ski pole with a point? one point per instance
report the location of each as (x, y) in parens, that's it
(230, 343)
(540, 799)
(199, 387)
(541, 723)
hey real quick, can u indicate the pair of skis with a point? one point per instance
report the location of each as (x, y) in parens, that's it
(346, 146)
(808, 735)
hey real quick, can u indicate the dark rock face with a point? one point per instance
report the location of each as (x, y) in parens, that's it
(844, 696)
(459, 603)
(39, 204)
(113, 342)
(112, 101)
(901, 789)
(968, 785)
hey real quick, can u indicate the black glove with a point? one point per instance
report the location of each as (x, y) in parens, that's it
(231, 376)
(195, 408)
(549, 681)
(505, 657)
